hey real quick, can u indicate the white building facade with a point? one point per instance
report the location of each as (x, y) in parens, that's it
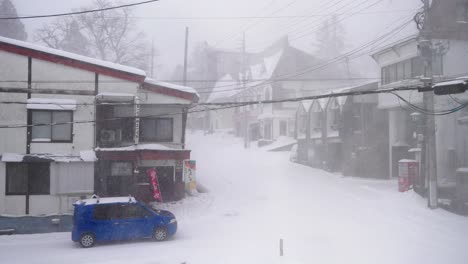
(48, 120)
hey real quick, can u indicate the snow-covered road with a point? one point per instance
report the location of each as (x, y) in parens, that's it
(256, 198)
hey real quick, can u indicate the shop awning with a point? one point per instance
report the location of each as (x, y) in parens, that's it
(85, 156)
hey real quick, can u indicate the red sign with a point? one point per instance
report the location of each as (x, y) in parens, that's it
(154, 183)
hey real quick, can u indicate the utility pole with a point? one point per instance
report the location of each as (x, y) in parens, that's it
(186, 55)
(185, 111)
(244, 86)
(152, 59)
(429, 152)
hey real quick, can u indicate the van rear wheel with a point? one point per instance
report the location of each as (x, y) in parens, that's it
(160, 234)
(87, 240)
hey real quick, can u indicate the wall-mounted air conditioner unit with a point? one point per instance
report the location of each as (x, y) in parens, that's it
(111, 135)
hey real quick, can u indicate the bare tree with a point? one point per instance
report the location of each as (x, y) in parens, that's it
(112, 35)
(65, 34)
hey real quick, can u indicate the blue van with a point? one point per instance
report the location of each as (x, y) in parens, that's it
(119, 218)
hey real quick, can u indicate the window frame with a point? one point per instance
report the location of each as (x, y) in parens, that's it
(31, 140)
(155, 139)
(28, 180)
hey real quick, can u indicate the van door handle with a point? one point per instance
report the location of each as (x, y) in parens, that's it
(115, 223)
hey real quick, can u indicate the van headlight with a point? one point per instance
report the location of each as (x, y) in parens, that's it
(173, 220)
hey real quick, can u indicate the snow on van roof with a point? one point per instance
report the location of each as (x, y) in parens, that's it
(73, 56)
(106, 200)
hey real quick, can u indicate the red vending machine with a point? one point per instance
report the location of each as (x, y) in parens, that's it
(407, 172)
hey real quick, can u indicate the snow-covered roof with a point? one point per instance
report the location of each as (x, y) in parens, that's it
(172, 86)
(266, 68)
(73, 56)
(141, 147)
(307, 104)
(390, 43)
(51, 104)
(84, 156)
(106, 200)
(88, 155)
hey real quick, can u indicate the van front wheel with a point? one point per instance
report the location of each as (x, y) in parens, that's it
(87, 240)
(160, 234)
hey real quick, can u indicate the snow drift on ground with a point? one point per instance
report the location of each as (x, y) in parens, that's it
(256, 198)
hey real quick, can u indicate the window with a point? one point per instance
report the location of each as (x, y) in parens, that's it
(157, 129)
(44, 132)
(417, 67)
(23, 178)
(316, 121)
(134, 211)
(462, 13)
(121, 169)
(392, 73)
(400, 71)
(107, 211)
(384, 75)
(407, 69)
(283, 128)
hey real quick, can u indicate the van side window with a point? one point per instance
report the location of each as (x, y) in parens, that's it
(134, 211)
(107, 211)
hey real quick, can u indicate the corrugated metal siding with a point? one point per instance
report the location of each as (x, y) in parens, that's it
(72, 178)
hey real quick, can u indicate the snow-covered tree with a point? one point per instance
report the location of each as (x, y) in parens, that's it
(112, 35)
(65, 34)
(11, 28)
(75, 41)
(330, 38)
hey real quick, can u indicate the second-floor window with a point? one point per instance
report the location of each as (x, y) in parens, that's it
(44, 131)
(409, 69)
(157, 129)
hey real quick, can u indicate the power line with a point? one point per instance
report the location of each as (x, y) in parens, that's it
(79, 12)
(428, 112)
(260, 17)
(248, 27)
(226, 105)
(325, 7)
(342, 19)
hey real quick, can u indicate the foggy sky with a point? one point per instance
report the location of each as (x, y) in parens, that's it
(168, 34)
